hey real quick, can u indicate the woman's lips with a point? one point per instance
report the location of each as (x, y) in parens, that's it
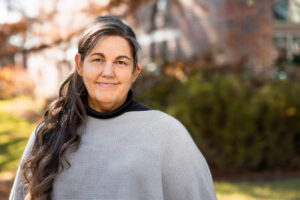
(107, 85)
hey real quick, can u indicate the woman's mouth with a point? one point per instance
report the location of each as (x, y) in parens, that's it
(107, 85)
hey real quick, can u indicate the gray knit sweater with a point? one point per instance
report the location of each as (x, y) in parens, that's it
(137, 155)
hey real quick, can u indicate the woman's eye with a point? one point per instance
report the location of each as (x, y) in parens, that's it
(97, 60)
(121, 62)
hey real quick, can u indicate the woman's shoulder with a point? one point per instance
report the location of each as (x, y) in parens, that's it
(156, 115)
(165, 118)
(160, 120)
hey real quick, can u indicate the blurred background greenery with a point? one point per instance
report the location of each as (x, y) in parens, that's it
(228, 69)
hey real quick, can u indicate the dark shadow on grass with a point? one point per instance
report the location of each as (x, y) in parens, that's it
(5, 133)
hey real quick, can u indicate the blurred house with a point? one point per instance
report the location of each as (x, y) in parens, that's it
(168, 30)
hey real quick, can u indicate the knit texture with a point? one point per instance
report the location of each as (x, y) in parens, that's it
(139, 155)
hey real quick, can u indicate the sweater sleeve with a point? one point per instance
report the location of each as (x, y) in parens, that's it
(186, 175)
(17, 189)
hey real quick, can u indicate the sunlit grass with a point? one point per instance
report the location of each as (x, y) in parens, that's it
(287, 189)
(14, 133)
(22, 104)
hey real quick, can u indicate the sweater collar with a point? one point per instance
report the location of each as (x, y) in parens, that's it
(120, 110)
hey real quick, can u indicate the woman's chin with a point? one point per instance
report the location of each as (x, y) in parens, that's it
(106, 100)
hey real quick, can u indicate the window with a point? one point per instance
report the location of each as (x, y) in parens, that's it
(280, 10)
(286, 10)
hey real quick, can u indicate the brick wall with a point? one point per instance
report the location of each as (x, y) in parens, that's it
(249, 32)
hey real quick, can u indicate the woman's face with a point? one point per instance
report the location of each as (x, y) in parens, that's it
(107, 73)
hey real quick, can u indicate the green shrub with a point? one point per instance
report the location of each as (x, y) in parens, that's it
(276, 109)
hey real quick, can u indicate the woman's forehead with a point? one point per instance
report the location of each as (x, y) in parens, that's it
(111, 46)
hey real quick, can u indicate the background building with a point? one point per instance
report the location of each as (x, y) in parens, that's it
(232, 30)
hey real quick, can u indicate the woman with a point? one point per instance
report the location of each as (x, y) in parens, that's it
(97, 142)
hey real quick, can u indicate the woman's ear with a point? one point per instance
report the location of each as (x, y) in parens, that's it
(78, 64)
(136, 72)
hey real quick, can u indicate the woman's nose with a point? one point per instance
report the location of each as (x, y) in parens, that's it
(108, 70)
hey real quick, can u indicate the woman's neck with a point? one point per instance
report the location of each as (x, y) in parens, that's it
(111, 112)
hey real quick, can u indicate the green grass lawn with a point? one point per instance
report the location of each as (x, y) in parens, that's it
(14, 133)
(15, 130)
(279, 189)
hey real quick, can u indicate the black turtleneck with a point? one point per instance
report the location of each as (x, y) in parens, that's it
(129, 105)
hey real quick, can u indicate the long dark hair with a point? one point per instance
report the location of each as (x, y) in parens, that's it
(59, 132)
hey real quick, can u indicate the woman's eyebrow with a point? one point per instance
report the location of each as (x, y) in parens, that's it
(119, 57)
(98, 54)
(103, 56)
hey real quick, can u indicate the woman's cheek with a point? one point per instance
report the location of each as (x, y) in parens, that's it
(92, 70)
